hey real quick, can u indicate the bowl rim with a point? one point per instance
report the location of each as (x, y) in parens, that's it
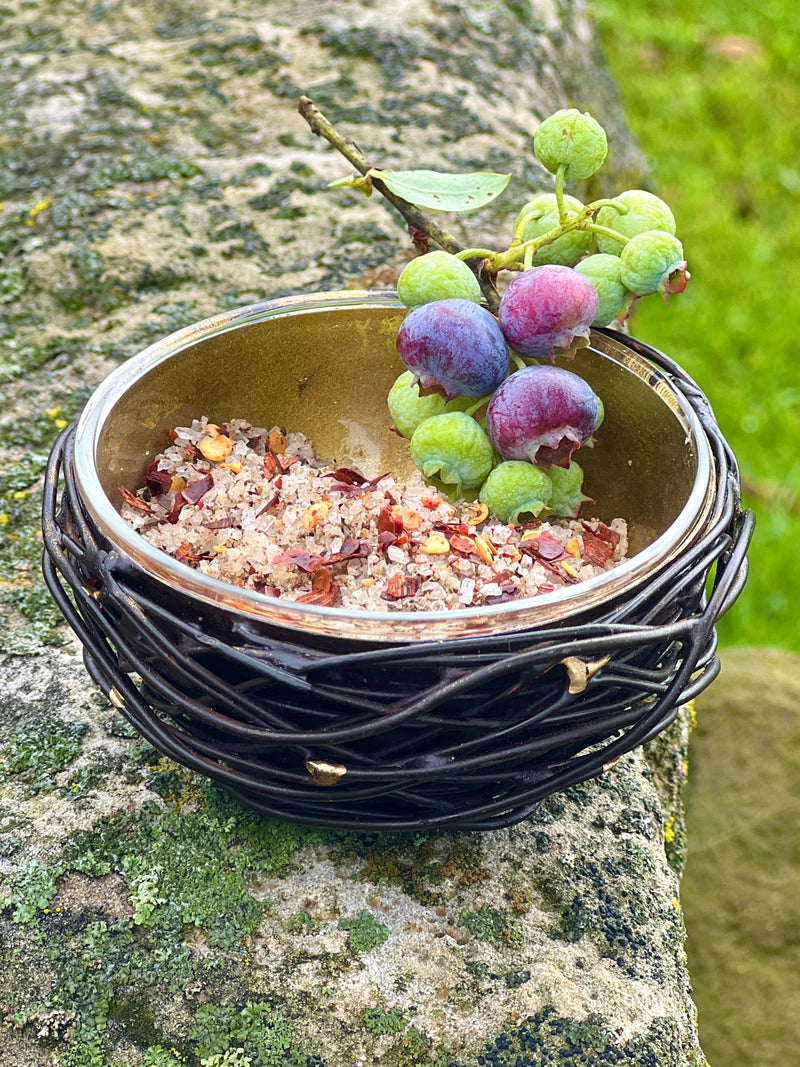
(396, 626)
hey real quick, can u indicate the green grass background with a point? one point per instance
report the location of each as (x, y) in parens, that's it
(712, 92)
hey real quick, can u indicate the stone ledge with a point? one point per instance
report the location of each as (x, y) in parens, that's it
(154, 171)
(144, 909)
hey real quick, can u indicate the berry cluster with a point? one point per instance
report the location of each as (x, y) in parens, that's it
(486, 420)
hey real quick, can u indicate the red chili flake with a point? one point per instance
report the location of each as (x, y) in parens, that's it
(270, 465)
(220, 524)
(177, 507)
(267, 590)
(461, 544)
(173, 436)
(604, 532)
(190, 495)
(545, 546)
(351, 483)
(157, 481)
(351, 549)
(186, 554)
(386, 538)
(401, 586)
(323, 589)
(388, 523)
(270, 504)
(133, 501)
(197, 489)
(388, 496)
(347, 476)
(429, 502)
(459, 528)
(595, 549)
(299, 557)
(322, 580)
(287, 461)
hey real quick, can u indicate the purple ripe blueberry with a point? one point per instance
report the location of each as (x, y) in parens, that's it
(453, 347)
(542, 414)
(547, 308)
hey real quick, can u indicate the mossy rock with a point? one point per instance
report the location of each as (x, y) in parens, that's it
(144, 915)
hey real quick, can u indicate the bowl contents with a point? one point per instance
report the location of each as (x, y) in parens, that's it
(255, 508)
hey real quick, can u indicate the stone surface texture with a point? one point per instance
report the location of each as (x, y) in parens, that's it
(153, 171)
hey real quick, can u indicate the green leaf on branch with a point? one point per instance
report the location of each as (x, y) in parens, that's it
(443, 192)
(431, 188)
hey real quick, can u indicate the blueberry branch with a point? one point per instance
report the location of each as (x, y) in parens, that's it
(416, 219)
(522, 251)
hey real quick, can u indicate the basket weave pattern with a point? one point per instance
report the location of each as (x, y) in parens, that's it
(465, 732)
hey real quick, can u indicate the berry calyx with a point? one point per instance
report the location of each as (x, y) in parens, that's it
(572, 139)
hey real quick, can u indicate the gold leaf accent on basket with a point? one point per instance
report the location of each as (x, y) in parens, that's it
(582, 671)
(324, 773)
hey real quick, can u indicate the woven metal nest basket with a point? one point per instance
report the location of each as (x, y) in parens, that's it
(391, 720)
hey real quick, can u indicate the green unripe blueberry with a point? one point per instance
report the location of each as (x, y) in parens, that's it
(542, 215)
(437, 276)
(604, 271)
(408, 409)
(515, 488)
(573, 138)
(652, 262)
(452, 449)
(640, 211)
(567, 496)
